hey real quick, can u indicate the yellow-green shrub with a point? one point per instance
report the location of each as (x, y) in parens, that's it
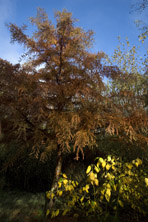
(110, 185)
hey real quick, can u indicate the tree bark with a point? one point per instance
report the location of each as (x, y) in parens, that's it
(49, 203)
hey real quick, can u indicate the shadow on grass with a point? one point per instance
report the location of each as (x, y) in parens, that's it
(21, 207)
(27, 207)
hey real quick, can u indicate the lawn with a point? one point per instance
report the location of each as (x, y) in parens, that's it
(21, 207)
(25, 207)
(18, 206)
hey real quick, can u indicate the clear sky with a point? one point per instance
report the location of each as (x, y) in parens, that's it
(107, 18)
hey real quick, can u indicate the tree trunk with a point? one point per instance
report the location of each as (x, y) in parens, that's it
(49, 203)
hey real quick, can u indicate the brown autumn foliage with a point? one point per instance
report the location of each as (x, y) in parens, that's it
(58, 98)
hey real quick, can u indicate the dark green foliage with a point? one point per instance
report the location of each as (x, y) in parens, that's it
(21, 207)
(29, 172)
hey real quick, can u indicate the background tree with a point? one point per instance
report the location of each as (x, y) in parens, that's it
(140, 7)
(129, 90)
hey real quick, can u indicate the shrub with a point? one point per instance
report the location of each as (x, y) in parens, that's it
(110, 187)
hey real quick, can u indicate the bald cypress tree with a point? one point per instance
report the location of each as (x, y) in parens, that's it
(61, 100)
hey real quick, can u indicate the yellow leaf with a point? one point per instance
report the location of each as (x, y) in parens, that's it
(96, 181)
(98, 164)
(53, 214)
(65, 212)
(88, 169)
(64, 175)
(73, 183)
(146, 181)
(60, 193)
(114, 187)
(92, 176)
(120, 203)
(108, 194)
(115, 207)
(86, 188)
(101, 197)
(103, 164)
(101, 160)
(76, 215)
(113, 168)
(129, 166)
(96, 169)
(93, 204)
(65, 181)
(108, 186)
(108, 166)
(129, 172)
(109, 176)
(47, 212)
(102, 192)
(59, 184)
(70, 187)
(109, 158)
(57, 213)
(138, 161)
(52, 195)
(80, 191)
(48, 195)
(82, 198)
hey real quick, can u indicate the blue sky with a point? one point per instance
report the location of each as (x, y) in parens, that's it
(107, 18)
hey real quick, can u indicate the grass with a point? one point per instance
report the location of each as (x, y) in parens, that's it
(27, 207)
(21, 207)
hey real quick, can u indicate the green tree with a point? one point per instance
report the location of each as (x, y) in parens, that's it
(129, 88)
(140, 8)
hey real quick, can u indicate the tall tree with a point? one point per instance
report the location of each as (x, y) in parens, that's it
(59, 103)
(60, 98)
